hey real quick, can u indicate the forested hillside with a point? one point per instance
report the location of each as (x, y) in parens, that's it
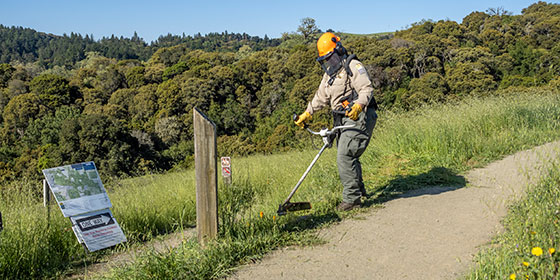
(18, 44)
(128, 105)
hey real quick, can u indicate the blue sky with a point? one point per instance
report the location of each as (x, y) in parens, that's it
(150, 19)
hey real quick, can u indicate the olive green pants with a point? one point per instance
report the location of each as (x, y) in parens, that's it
(351, 145)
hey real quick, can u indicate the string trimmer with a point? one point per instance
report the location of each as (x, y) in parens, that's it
(325, 133)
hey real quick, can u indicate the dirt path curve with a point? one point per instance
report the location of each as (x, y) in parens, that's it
(425, 234)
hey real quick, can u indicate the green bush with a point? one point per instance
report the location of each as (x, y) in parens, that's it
(469, 77)
(428, 89)
(174, 70)
(53, 90)
(517, 80)
(555, 84)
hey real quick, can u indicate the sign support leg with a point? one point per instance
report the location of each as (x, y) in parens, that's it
(46, 201)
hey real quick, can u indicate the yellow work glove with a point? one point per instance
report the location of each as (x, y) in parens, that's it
(302, 119)
(355, 112)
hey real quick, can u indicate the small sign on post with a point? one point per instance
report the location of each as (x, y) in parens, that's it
(206, 177)
(226, 170)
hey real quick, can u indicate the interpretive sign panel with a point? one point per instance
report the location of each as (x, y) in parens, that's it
(98, 230)
(77, 188)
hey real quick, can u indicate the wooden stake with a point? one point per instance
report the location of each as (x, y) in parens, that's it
(206, 177)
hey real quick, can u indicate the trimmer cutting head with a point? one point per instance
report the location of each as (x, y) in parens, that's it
(283, 209)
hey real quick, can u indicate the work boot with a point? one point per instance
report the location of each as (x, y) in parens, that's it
(345, 206)
(364, 192)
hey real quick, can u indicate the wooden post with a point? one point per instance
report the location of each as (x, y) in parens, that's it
(206, 177)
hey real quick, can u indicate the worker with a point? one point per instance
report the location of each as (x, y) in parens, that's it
(345, 87)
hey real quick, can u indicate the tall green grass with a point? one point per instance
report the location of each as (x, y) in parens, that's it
(29, 247)
(528, 248)
(152, 205)
(463, 136)
(409, 150)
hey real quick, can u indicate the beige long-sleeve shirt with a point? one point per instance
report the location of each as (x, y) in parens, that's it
(341, 87)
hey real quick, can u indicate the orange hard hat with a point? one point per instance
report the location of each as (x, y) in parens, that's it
(326, 43)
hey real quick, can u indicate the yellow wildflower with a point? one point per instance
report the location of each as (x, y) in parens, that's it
(261, 214)
(512, 276)
(274, 218)
(533, 232)
(551, 250)
(537, 251)
(526, 264)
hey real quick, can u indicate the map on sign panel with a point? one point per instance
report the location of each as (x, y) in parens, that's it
(77, 188)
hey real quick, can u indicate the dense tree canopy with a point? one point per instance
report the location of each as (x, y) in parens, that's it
(128, 105)
(27, 45)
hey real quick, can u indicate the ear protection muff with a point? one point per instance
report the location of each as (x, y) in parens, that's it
(339, 49)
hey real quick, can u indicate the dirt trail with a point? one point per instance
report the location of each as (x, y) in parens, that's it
(425, 234)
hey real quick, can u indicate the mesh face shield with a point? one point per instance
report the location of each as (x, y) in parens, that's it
(331, 63)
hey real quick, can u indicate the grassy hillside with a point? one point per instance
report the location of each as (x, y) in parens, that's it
(429, 146)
